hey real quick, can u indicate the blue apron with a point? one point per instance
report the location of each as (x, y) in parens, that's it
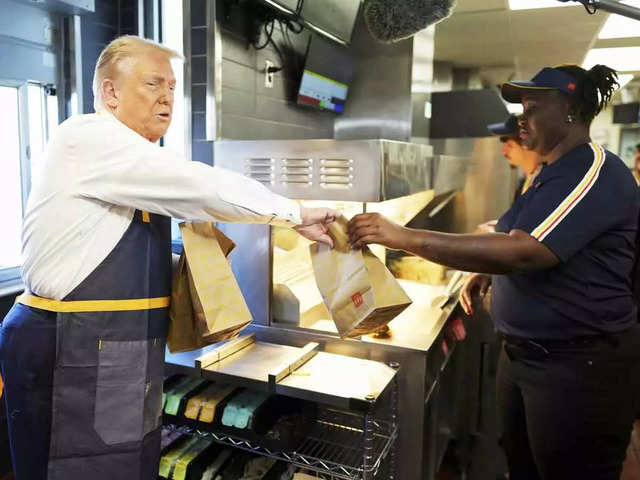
(84, 375)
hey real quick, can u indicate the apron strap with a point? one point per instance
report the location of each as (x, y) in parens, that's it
(78, 306)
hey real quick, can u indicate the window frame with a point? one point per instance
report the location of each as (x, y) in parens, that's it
(25, 144)
(10, 278)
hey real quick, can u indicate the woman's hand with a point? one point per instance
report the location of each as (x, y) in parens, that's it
(374, 228)
(476, 284)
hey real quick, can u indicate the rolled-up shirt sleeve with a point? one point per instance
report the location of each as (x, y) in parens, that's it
(120, 167)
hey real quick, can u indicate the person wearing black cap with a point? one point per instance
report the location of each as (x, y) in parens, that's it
(517, 156)
(560, 265)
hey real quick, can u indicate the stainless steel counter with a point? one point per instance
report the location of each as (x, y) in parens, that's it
(419, 325)
(255, 362)
(328, 376)
(416, 328)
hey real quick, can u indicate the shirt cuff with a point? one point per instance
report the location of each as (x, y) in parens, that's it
(287, 214)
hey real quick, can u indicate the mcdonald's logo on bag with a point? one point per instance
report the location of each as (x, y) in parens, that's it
(357, 299)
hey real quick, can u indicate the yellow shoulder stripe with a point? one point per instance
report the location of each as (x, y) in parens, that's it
(576, 195)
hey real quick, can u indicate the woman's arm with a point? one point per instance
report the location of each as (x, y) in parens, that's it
(485, 253)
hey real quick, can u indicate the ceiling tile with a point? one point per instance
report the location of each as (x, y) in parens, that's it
(559, 24)
(474, 26)
(483, 33)
(465, 6)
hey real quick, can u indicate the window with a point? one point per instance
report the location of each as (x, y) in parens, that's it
(172, 32)
(37, 128)
(29, 114)
(176, 136)
(10, 179)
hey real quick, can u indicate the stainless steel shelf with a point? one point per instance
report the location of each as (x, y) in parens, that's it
(336, 448)
(334, 380)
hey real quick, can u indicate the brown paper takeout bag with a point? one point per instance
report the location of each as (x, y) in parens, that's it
(359, 291)
(207, 305)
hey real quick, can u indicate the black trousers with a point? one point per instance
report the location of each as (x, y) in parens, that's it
(27, 356)
(566, 410)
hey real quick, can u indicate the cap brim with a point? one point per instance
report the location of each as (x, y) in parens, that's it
(512, 91)
(499, 129)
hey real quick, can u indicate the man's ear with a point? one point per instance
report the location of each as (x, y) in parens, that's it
(109, 92)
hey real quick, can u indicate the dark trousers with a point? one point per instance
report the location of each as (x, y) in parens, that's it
(566, 410)
(27, 357)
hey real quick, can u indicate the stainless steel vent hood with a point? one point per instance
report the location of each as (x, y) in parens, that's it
(465, 113)
(343, 170)
(370, 158)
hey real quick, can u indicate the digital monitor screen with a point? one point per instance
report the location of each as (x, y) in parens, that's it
(626, 113)
(326, 77)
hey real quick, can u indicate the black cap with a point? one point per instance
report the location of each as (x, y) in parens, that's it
(507, 128)
(546, 79)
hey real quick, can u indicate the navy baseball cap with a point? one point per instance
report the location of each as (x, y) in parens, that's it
(507, 128)
(546, 79)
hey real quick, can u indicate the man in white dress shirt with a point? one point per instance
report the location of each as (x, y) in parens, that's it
(82, 350)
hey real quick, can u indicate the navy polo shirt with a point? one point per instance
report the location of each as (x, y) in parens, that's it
(584, 207)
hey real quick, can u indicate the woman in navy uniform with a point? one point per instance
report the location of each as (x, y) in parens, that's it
(560, 265)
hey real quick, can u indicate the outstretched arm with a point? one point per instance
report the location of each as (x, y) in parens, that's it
(485, 253)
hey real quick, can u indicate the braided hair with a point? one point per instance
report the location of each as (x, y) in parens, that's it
(594, 89)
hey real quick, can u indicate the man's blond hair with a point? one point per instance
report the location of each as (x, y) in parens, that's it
(119, 50)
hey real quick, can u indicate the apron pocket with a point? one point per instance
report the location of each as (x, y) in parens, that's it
(120, 391)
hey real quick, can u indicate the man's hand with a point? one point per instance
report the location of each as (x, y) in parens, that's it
(374, 228)
(476, 284)
(487, 227)
(315, 224)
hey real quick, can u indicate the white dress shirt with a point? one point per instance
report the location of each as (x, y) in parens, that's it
(96, 173)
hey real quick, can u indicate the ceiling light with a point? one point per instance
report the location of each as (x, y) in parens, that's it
(531, 4)
(622, 59)
(618, 26)
(624, 78)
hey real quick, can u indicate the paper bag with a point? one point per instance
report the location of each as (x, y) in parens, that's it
(359, 291)
(207, 305)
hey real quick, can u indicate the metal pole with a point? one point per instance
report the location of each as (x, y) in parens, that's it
(394, 421)
(368, 428)
(611, 6)
(619, 8)
(77, 88)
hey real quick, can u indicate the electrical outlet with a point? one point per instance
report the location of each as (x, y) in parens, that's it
(268, 76)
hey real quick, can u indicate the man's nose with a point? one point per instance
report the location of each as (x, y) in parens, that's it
(167, 97)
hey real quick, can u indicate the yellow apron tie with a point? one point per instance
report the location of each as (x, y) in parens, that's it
(78, 306)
